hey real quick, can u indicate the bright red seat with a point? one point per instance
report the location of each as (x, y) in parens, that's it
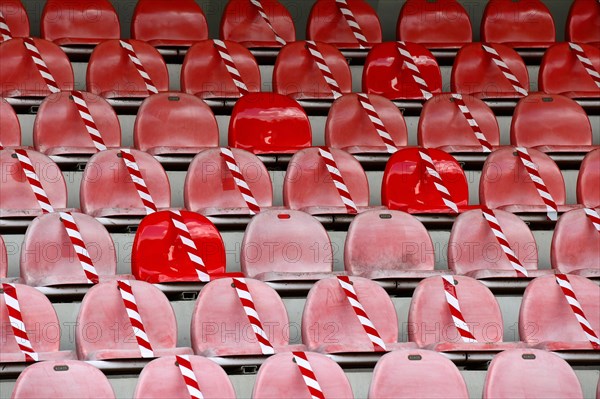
(19, 75)
(3, 259)
(441, 24)
(211, 190)
(583, 22)
(59, 129)
(175, 124)
(588, 189)
(87, 22)
(109, 335)
(531, 373)
(400, 374)
(112, 74)
(350, 128)
(242, 23)
(327, 24)
(297, 75)
(15, 17)
(10, 127)
(269, 123)
(107, 169)
(166, 23)
(387, 74)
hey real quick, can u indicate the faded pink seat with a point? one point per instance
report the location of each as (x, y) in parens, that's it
(10, 127)
(3, 259)
(588, 189)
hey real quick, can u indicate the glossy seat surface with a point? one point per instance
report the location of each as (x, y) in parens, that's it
(583, 22)
(16, 18)
(588, 191)
(10, 127)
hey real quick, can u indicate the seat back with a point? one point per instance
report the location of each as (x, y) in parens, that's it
(265, 123)
(562, 72)
(16, 18)
(10, 127)
(583, 22)
(3, 259)
(429, 317)
(588, 190)
(575, 243)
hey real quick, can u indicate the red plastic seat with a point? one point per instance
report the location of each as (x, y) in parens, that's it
(385, 72)
(10, 127)
(162, 378)
(175, 124)
(107, 169)
(583, 22)
(269, 123)
(60, 130)
(561, 72)
(242, 23)
(519, 24)
(280, 377)
(297, 75)
(308, 185)
(349, 127)
(211, 190)
(19, 75)
(3, 259)
(327, 24)
(62, 379)
(588, 190)
(108, 334)
(545, 307)
(441, 24)
(530, 373)
(408, 187)
(401, 374)
(87, 22)
(112, 74)
(16, 18)
(41, 324)
(442, 125)
(166, 23)
(474, 72)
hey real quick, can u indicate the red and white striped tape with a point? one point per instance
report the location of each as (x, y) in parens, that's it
(80, 248)
(594, 217)
(138, 181)
(17, 324)
(455, 312)
(188, 242)
(437, 180)
(232, 69)
(42, 68)
(587, 63)
(318, 59)
(241, 288)
(569, 293)
(135, 318)
(382, 131)
(338, 180)
(508, 74)
(265, 17)
(187, 372)
(489, 215)
(4, 29)
(353, 23)
(464, 109)
(409, 61)
(536, 178)
(34, 181)
(308, 375)
(361, 314)
(88, 120)
(239, 180)
(139, 66)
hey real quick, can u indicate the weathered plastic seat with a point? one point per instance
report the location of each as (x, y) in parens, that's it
(10, 127)
(588, 191)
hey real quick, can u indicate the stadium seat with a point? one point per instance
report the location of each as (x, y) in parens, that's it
(3, 259)
(297, 75)
(387, 74)
(327, 24)
(165, 23)
(211, 190)
(442, 125)
(107, 169)
(86, 23)
(19, 75)
(441, 24)
(561, 72)
(62, 380)
(588, 190)
(576, 245)
(475, 73)
(530, 373)
(15, 17)
(108, 334)
(175, 124)
(401, 374)
(583, 22)
(408, 187)
(10, 127)
(350, 128)
(59, 128)
(111, 73)
(309, 187)
(41, 324)
(546, 319)
(162, 378)
(280, 377)
(48, 257)
(269, 123)
(388, 245)
(242, 23)
(519, 24)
